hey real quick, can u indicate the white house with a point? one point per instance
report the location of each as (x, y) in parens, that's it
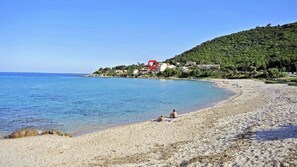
(136, 72)
(185, 69)
(163, 67)
(190, 63)
(119, 71)
(172, 66)
(209, 66)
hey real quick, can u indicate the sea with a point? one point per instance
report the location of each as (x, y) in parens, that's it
(74, 103)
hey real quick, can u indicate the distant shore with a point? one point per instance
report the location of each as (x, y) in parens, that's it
(256, 127)
(168, 78)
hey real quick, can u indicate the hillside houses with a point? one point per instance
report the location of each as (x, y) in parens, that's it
(141, 70)
(190, 63)
(163, 66)
(202, 66)
(209, 66)
(188, 66)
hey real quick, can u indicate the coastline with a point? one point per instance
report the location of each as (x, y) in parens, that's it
(235, 131)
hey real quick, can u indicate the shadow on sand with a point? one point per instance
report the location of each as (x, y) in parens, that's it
(283, 132)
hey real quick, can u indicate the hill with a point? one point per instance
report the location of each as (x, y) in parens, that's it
(261, 48)
(263, 52)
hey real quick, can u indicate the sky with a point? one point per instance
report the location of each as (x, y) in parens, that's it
(80, 36)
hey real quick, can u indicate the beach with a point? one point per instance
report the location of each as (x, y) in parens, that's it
(256, 127)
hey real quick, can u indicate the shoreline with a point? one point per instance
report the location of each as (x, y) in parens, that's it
(199, 109)
(249, 129)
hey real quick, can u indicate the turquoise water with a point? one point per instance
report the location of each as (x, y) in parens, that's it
(72, 103)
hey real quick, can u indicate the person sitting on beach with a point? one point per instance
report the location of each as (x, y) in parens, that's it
(173, 114)
(160, 119)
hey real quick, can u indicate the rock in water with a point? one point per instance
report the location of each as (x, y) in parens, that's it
(55, 132)
(34, 132)
(23, 133)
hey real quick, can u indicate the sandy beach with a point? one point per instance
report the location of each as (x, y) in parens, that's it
(256, 127)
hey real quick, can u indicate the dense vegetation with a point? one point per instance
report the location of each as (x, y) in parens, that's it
(264, 52)
(256, 49)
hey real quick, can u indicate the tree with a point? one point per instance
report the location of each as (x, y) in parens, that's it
(167, 72)
(230, 67)
(121, 67)
(196, 73)
(273, 72)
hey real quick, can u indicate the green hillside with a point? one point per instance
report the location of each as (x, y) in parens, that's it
(264, 52)
(261, 48)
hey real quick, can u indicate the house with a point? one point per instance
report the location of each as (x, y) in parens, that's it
(209, 66)
(136, 72)
(184, 69)
(171, 66)
(292, 73)
(144, 71)
(190, 63)
(119, 72)
(163, 67)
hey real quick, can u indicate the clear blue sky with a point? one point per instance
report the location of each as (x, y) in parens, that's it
(83, 35)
